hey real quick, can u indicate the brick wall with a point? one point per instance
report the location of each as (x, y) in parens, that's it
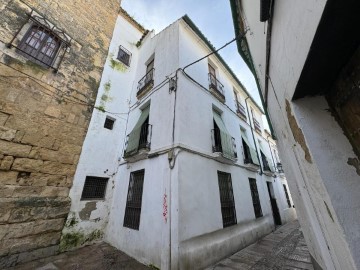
(43, 121)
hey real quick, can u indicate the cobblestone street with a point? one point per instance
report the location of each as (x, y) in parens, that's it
(100, 256)
(283, 249)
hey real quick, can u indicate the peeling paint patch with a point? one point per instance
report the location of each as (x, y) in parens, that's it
(355, 163)
(297, 132)
(85, 213)
(328, 210)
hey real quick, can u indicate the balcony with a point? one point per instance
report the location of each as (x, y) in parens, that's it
(140, 140)
(257, 125)
(145, 84)
(240, 110)
(216, 88)
(224, 146)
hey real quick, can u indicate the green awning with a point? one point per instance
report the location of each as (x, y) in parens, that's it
(269, 160)
(134, 136)
(253, 153)
(226, 139)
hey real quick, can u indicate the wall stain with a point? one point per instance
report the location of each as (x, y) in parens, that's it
(355, 163)
(85, 213)
(297, 132)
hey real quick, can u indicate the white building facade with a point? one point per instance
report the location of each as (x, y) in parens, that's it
(176, 170)
(305, 57)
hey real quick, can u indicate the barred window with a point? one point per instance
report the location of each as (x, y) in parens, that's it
(41, 44)
(287, 196)
(94, 188)
(134, 199)
(124, 56)
(255, 198)
(228, 211)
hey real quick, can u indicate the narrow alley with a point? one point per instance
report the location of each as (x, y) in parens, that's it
(283, 249)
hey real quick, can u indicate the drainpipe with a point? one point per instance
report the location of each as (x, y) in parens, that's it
(252, 133)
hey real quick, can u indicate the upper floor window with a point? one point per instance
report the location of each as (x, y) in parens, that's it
(147, 82)
(215, 86)
(124, 56)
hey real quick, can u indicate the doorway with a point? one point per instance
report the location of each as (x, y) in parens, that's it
(274, 207)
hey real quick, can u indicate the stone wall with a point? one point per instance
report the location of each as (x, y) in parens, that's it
(43, 121)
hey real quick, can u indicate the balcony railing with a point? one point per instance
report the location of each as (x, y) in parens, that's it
(223, 143)
(146, 83)
(144, 139)
(216, 87)
(257, 125)
(240, 109)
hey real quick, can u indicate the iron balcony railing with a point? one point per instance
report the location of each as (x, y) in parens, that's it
(146, 82)
(223, 143)
(256, 125)
(217, 86)
(240, 109)
(144, 139)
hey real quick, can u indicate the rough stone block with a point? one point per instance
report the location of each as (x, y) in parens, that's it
(18, 136)
(27, 191)
(52, 111)
(37, 254)
(58, 181)
(27, 165)
(8, 178)
(33, 179)
(20, 215)
(6, 191)
(6, 163)
(55, 192)
(7, 133)
(14, 149)
(57, 168)
(3, 118)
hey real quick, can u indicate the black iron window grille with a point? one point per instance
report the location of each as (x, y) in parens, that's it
(255, 198)
(134, 199)
(43, 42)
(124, 56)
(227, 202)
(109, 123)
(287, 196)
(146, 82)
(247, 154)
(94, 188)
(217, 86)
(240, 109)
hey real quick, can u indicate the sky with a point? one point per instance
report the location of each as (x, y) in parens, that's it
(212, 17)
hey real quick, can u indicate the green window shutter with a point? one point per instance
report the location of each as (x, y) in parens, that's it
(253, 153)
(226, 139)
(134, 136)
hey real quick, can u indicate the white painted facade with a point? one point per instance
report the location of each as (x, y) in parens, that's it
(181, 224)
(325, 187)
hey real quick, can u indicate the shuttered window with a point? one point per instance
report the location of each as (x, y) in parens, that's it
(224, 139)
(249, 151)
(228, 211)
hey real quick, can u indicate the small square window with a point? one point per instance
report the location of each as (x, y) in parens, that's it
(109, 123)
(124, 56)
(94, 188)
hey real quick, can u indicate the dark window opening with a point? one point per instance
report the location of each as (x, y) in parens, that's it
(255, 198)
(109, 123)
(143, 141)
(227, 202)
(124, 56)
(94, 188)
(217, 138)
(287, 196)
(134, 199)
(40, 44)
(265, 162)
(247, 154)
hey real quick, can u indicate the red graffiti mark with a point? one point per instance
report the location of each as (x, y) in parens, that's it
(165, 206)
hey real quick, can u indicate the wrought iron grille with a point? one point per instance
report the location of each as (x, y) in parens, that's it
(109, 123)
(146, 82)
(124, 56)
(216, 85)
(255, 198)
(247, 154)
(134, 199)
(228, 210)
(43, 42)
(287, 196)
(257, 125)
(265, 162)
(241, 110)
(94, 188)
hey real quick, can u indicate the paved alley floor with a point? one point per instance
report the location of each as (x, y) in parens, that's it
(99, 256)
(284, 249)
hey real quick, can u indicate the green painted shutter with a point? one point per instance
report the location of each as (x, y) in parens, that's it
(134, 136)
(253, 153)
(269, 160)
(226, 139)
